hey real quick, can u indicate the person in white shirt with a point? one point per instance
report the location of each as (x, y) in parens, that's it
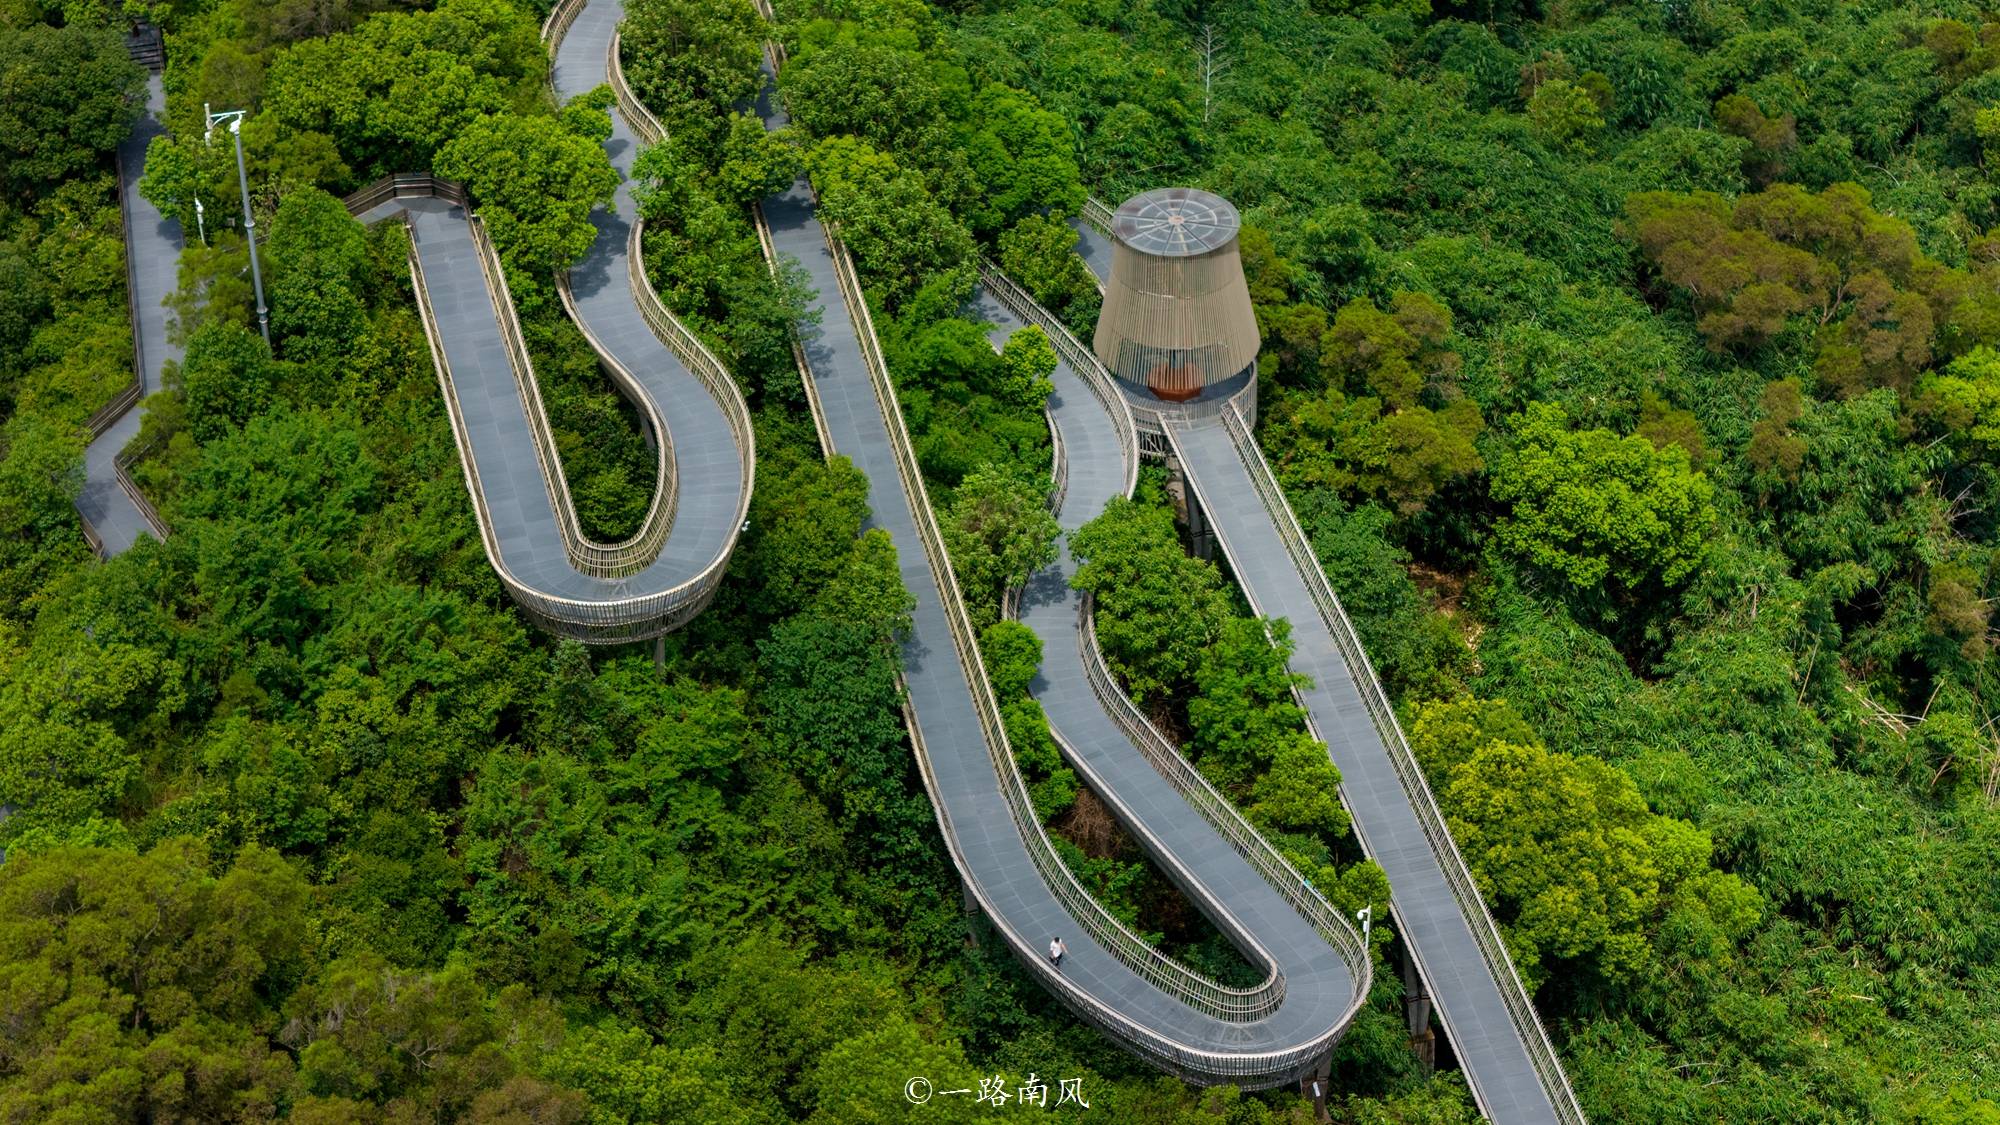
(1056, 951)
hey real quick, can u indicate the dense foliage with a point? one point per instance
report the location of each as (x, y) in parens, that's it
(1629, 366)
(1633, 369)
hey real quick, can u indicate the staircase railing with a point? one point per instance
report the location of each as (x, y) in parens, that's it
(1458, 876)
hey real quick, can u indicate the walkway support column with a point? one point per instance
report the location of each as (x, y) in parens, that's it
(1417, 1008)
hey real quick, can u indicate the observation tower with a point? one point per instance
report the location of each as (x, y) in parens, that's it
(1177, 330)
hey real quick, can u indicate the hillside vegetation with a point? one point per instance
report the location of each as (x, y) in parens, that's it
(1633, 368)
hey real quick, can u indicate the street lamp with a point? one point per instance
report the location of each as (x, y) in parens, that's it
(200, 220)
(235, 119)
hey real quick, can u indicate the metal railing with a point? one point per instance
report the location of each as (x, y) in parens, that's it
(645, 544)
(121, 468)
(1221, 812)
(1212, 805)
(598, 560)
(644, 124)
(813, 404)
(558, 21)
(1170, 976)
(403, 185)
(597, 621)
(1520, 1008)
(698, 359)
(1096, 213)
(1080, 359)
(107, 415)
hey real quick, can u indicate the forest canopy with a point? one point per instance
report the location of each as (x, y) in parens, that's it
(1633, 369)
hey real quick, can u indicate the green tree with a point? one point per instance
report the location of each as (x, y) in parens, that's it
(1592, 506)
(998, 531)
(692, 61)
(397, 88)
(1964, 397)
(756, 162)
(804, 517)
(1023, 158)
(1351, 445)
(1575, 866)
(1038, 253)
(1027, 360)
(1565, 114)
(536, 183)
(1158, 610)
(142, 985)
(902, 236)
(72, 95)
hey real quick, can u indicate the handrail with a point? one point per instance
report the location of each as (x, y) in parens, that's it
(108, 414)
(1096, 213)
(1081, 360)
(1170, 976)
(559, 18)
(813, 404)
(1458, 876)
(104, 416)
(1220, 811)
(599, 560)
(636, 617)
(1058, 463)
(665, 505)
(399, 185)
(641, 119)
(698, 359)
(685, 345)
(121, 468)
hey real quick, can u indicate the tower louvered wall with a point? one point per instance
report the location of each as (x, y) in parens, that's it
(1177, 323)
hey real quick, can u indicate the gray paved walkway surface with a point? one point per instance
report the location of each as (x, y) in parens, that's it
(986, 839)
(1489, 1049)
(708, 470)
(153, 248)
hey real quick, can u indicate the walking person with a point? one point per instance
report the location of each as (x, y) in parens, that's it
(1056, 951)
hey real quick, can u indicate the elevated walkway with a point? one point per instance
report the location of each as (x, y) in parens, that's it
(1462, 965)
(1315, 971)
(694, 415)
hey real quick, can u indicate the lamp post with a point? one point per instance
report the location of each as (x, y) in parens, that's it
(200, 221)
(235, 119)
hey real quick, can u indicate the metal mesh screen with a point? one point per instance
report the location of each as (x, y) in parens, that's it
(1177, 317)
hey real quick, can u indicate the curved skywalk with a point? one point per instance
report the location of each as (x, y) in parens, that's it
(1314, 993)
(1098, 467)
(709, 461)
(1500, 1044)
